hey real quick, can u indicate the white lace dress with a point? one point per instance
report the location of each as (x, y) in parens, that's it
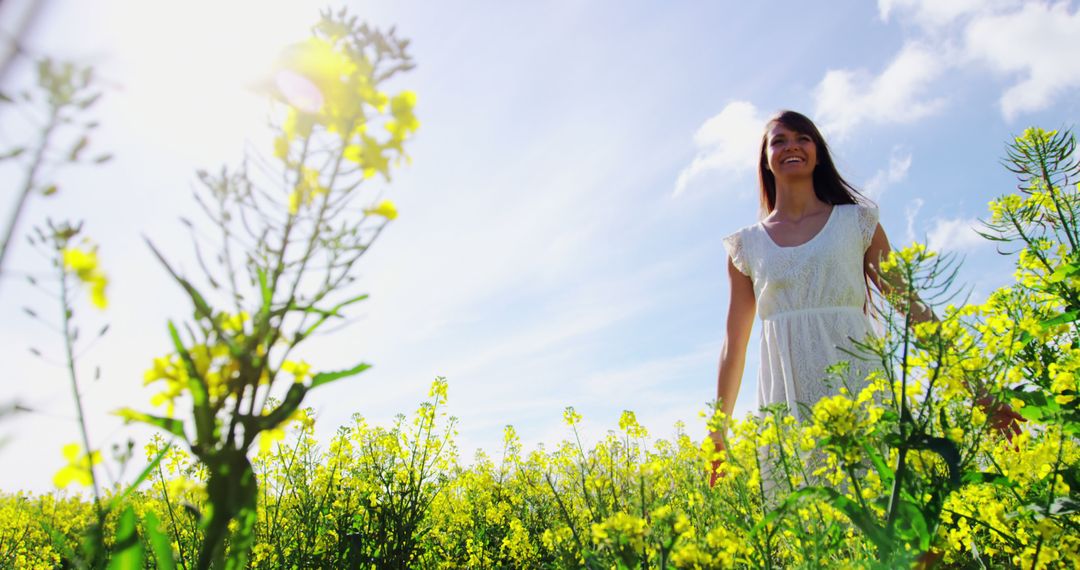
(810, 299)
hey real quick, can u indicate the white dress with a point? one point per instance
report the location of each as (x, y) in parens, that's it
(810, 299)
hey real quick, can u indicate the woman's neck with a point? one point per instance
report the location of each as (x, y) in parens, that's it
(796, 199)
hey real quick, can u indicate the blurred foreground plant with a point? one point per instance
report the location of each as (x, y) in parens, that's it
(53, 111)
(288, 241)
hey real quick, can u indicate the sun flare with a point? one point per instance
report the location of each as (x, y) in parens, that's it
(190, 71)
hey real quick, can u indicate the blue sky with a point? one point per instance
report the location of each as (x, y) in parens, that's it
(576, 167)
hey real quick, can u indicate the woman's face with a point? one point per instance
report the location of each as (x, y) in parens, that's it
(789, 154)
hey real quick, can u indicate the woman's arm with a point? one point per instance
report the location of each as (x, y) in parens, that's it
(740, 319)
(879, 251)
(1001, 416)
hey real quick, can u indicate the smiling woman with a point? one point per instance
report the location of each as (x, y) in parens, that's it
(803, 269)
(191, 72)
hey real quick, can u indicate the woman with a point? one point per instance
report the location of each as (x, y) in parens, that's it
(805, 270)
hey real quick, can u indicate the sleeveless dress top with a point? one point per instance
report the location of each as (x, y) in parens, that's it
(810, 299)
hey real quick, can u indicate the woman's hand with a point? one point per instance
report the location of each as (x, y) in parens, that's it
(1000, 416)
(714, 468)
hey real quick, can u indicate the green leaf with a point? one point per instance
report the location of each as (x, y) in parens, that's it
(5, 98)
(118, 499)
(78, 148)
(335, 311)
(884, 471)
(127, 550)
(915, 520)
(171, 425)
(326, 314)
(293, 398)
(89, 101)
(200, 394)
(988, 478)
(1063, 318)
(159, 542)
(893, 439)
(1036, 405)
(264, 290)
(327, 377)
(1032, 413)
(1062, 272)
(202, 308)
(13, 153)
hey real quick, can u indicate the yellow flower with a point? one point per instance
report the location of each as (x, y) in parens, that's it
(281, 147)
(629, 424)
(234, 323)
(438, 389)
(369, 155)
(916, 252)
(1033, 136)
(1006, 204)
(571, 416)
(269, 437)
(300, 370)
(836, 415)
(386, 209)
(306, 190)
(404, 122)
(83, 263)
(78, 468)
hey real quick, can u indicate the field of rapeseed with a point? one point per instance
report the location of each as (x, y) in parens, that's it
(959, 452)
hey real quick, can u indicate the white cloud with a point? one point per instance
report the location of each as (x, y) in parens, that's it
(910, 213)
(899, 164)
(846, 99)
(1038, 43)
(728, 141)
(1032, 41)
(956, 234)
(937, 13)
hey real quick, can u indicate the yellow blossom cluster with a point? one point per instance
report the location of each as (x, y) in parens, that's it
(83, 263)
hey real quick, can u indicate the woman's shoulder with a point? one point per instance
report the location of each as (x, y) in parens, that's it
(742, 232)
(858, 207)
(864, 213)
(863, 220)
(740, 247)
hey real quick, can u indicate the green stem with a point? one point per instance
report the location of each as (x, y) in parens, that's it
(901, 460)
(69, 354)
(172, 514)
(28, 185)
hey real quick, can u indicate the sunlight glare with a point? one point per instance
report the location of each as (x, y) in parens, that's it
(191, 70)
